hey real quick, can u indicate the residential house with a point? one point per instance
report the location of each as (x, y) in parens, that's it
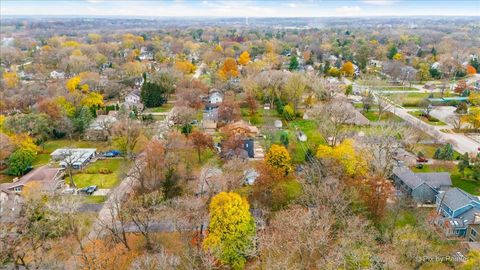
(75, 157)
(44, 178)
(100, 127)
(145, 54)
(421, 187)
(215, 96)
(241, 128)
(473, 229)
(458, 210)
(57, 75)
(133, 100)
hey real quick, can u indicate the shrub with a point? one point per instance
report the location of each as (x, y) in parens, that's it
(104, 171)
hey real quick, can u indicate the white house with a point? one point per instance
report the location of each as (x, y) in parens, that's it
(133, 97)
(57, 75)
(215, 96)
(77, 157)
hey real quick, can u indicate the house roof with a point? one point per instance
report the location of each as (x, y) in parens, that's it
(241, 125)
(44, 175)
(436, 179)
(408, 177)
(135, 93)
(456, 198)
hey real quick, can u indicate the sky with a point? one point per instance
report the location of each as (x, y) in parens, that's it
(242, 8)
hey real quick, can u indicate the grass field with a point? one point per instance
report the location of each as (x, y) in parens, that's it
(91, 176)
(94, 199)
(431, 121)
(164, 108)
(314, 138)
(429, 150)
(373, 116)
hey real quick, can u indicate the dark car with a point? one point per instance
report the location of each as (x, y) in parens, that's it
(88, 190)
(422, 159)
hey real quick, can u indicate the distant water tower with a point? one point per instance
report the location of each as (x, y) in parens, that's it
(246, 20)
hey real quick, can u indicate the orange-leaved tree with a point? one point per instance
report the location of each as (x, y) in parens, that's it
(229, 69)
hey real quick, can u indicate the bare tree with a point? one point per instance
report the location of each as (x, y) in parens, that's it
(332, 119)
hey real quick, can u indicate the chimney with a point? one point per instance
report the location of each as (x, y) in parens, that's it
(476, 218)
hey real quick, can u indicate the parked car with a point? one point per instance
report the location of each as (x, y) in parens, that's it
(68, 191)
(88, 190)
(112, 153)
(422, 159)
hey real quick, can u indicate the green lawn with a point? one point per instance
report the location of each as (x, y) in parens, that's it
(91, 176)
(373, 116)
(164, 108)
(407, 99)
(314, 138)
(429, 150)
(94, 199)
(431, 121)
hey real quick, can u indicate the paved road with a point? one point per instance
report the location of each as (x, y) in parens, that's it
(460, 142)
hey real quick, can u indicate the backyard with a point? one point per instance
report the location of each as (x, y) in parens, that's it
(102, 173)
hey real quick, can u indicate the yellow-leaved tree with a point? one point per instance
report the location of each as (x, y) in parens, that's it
(244, 58)
(231, 229)
(11, 79)
(93, 99)
(229, 69)
(185, 67)
(352, 162)
(348, 69)
(73, 83)
(278, 157)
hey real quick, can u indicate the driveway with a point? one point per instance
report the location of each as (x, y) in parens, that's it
(443, 112)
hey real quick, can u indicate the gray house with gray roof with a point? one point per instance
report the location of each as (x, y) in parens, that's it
(421, 187)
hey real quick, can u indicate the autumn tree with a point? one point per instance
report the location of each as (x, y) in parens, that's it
(374, 191)
(229, 110)
(278, 157)
(10, 79)
(228, 69)
(244, 58)
(185, 67)
(231, 229)
(348, 69)
(201, 141)
(471, 70)
(126, 135)
(352, 162)
(294, 88)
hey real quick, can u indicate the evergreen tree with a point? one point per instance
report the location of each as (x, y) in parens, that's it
(293, 63)
(153, 95)
(392, 51)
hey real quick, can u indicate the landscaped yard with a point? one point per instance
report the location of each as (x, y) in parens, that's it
(164, 108)
(429, 150)
(408, 99)
(373, 116)
(91, 175)
(431, 120)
